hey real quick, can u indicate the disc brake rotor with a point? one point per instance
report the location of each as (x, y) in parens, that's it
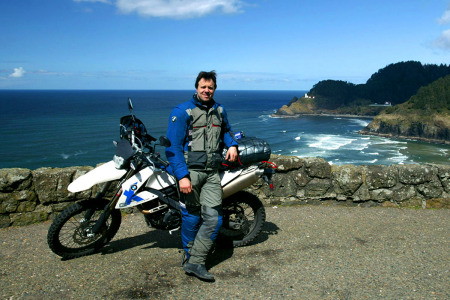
(81, 234)
(238, 219)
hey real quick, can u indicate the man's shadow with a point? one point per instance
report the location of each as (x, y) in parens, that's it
(224, 250)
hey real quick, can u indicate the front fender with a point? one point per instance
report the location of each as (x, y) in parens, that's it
(104, 173)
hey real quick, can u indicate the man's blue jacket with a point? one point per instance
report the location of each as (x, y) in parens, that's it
(178, 134)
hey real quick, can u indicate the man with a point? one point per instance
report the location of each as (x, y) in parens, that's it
(197, 131)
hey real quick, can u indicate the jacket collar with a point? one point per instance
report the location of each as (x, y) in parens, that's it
(200, 103)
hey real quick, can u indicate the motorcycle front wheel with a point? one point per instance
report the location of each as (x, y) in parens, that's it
(70, 234)
(243, 219)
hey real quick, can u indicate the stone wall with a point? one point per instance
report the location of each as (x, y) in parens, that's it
(28, 197)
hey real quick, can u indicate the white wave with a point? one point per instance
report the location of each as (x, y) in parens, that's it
(443, 152)
(373, 153)
(264, 118)
(67, 156)
(295, 151)
(399, 158)
(79, 153)
(330, 142)
(297, 138)
(322, 154)
(387, 141)
(283, 131)
(360, 122)
(360, 147)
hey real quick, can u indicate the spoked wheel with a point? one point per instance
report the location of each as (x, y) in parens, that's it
(70, 234)
(243, 218)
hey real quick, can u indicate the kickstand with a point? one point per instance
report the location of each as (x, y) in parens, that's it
(184, 258)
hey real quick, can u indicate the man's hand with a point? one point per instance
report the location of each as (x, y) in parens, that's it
(185, 185)
(232, 154)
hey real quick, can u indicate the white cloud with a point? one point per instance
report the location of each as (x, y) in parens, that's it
(177, 8)
(18, 72)
(443, 41)
(445, 17)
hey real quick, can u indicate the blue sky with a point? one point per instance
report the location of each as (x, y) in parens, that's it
(252, 44)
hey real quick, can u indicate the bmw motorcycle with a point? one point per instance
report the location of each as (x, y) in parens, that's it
(139, 178)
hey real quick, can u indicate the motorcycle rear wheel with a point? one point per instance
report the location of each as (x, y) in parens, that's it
(69, 237)
(243, 219)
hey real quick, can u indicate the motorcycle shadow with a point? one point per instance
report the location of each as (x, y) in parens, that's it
(154, 238)
(161, 239)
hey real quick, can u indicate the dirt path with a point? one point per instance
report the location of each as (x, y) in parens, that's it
(305, 252)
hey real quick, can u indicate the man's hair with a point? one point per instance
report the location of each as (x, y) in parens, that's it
(207, 76)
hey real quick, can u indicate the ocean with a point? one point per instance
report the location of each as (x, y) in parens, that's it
(62, 128)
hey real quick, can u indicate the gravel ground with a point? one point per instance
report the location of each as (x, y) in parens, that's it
(304, 252)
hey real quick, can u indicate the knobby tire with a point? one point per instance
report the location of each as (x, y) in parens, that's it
(67, 234)
(245, 207)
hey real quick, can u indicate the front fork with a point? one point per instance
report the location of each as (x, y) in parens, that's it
(108, 207)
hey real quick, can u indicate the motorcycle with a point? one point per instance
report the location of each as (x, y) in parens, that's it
(140, 179)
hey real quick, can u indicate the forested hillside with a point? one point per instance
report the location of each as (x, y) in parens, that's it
(395, 83)
(425, 116)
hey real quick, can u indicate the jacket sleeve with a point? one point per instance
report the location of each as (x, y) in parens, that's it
(228, 138)
(176, 133)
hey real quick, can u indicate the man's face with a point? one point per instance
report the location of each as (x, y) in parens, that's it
(205, 89)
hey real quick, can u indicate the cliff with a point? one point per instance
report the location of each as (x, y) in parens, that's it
(28, 197)
(425, 116)
(296, 107)
(308, 106)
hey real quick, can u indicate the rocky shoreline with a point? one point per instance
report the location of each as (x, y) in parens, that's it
(403, 137)
(275, 115)
(432, 129)
(367, 130)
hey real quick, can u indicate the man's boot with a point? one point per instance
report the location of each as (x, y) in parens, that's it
(199, 271)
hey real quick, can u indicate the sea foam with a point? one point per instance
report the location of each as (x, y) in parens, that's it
(330, 142)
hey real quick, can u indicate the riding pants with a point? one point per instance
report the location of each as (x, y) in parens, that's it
(201, 215)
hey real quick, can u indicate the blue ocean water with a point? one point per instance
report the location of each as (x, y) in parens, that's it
(72, 128)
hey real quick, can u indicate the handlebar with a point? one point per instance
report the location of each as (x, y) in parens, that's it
(133, 130)
(161, 161)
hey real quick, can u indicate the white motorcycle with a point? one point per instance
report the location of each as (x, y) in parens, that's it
(139, 178)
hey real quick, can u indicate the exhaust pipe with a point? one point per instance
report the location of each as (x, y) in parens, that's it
(241, 182)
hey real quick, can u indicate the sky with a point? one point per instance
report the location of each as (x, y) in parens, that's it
(251, 44)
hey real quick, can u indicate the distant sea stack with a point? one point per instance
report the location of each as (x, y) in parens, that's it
(425, 116)
(296, 107)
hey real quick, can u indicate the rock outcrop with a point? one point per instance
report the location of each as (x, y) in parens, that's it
(425, 116)
(433, 128)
